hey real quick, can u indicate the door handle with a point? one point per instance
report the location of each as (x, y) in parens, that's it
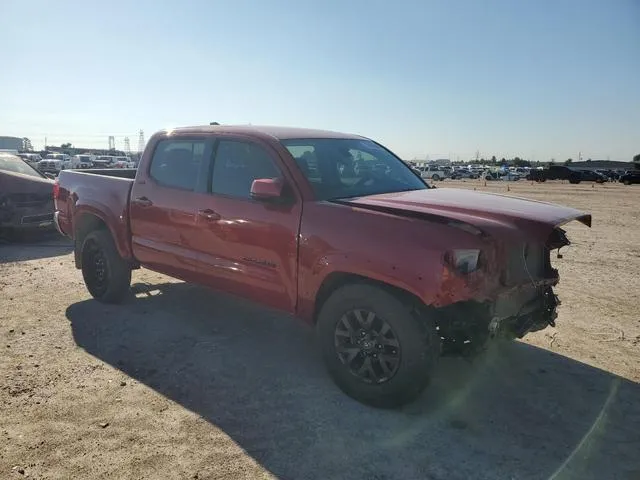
(209, 215)
(142, 202)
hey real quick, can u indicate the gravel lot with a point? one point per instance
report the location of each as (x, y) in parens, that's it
(181, 382)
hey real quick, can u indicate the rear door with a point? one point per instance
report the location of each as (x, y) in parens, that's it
(249, 247)
(163, 211)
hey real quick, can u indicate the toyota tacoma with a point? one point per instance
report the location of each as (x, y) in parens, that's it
(393, 273)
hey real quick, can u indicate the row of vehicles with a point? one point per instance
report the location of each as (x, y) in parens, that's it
(440, 172)
(54, 163)
(576, 175)
(554, 172)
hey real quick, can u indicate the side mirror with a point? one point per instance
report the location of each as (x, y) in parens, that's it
(267, 189)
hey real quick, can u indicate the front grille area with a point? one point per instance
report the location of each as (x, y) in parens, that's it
(28, 200)
(47, 165)
(30, 219)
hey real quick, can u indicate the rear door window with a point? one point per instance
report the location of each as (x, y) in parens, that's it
(177, 163)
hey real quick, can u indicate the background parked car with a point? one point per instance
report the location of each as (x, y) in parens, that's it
(123, 162)
(510, 176)
(26, 196)
(31, 158)
(53, 163)
(563, 172)
(592, 176)
(631, 176)
(433, 172)
(104, 161)
(84, 160)
(461, 173)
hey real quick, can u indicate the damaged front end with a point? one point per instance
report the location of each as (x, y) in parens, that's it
(508, 298)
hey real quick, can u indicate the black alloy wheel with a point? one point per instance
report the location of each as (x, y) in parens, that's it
(97, 269)
(106, 274)
(367, 345)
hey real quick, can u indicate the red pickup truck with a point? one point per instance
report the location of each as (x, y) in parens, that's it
(332, 228)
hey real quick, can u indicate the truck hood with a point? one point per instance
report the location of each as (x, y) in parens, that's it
(481, 210)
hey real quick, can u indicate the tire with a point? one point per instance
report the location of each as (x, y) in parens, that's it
(435, 177)
(626, 182)
(414, 346)
(574, 180)
(106, 274)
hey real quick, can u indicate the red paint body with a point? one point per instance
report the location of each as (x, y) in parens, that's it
(279, 254)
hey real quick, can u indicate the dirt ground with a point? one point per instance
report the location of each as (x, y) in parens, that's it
(181, 382)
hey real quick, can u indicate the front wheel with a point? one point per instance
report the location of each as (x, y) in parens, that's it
(376, 349)
(106, 274)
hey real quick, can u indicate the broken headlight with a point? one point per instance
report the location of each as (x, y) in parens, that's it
(464, 260)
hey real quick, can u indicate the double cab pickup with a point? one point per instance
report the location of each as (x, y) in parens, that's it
(332, 228)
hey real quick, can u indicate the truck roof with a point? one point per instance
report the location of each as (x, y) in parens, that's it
(279, 133)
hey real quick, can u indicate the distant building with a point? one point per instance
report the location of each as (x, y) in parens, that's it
(10, 143)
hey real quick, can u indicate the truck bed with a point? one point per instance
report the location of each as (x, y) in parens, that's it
(103, 193)
(112, 172)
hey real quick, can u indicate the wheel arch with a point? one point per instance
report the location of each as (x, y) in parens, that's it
(338, 279)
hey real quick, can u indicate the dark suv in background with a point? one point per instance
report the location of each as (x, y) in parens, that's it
(562, 172)
(630, 176)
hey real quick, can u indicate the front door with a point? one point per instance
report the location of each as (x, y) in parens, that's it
(163, 211)
(248, 247)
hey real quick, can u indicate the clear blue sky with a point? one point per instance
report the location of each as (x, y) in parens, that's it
(538, 79)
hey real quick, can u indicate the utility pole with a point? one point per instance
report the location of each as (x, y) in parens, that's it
(141, 142)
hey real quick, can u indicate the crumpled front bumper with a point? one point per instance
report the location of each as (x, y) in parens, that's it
(516, 315)
(510, 313)
(22, 218)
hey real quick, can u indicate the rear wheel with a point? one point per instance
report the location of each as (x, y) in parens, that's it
(435, 177)
(106, 274)
(375, 348)
(627, 182)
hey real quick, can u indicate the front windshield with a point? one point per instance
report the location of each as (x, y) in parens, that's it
(350, 167)
(11, 163)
